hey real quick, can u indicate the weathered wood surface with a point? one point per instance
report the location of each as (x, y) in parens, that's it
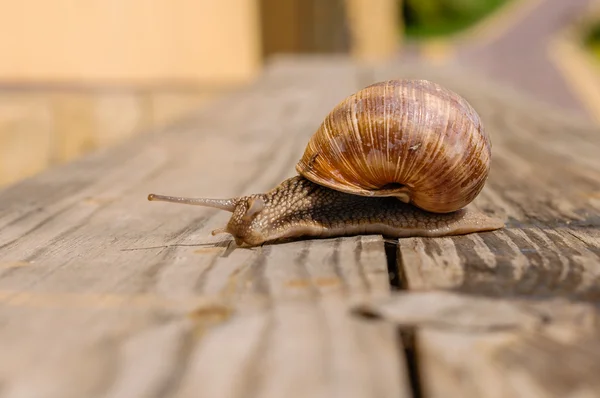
(526, 322)
(477, 346)
(103, 294)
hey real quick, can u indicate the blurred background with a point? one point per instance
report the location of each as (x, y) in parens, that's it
(76, 76)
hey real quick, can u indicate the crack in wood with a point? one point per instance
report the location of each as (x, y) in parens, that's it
(394, 267)
(406, 335)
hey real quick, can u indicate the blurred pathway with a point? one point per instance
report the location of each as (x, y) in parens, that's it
(519, 55)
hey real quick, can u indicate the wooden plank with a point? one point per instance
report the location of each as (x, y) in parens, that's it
(544, 181)
(25, 136)
(103, 294)
(304, 342)
(477, 346)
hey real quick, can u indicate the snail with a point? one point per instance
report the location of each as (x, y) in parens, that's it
(399, 158)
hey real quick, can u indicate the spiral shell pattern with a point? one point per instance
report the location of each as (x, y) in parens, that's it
(412, 139)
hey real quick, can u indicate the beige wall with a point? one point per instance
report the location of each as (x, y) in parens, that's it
(375, 27)
(112, 42)
(131, 41)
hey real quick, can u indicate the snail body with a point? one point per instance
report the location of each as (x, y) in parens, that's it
(398, 158)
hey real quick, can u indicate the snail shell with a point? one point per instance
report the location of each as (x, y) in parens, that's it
(411, 139)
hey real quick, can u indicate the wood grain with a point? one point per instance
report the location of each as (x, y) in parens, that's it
(545, 182)
(120, 297)
(303, 342)
(476, 346)
(103, 294)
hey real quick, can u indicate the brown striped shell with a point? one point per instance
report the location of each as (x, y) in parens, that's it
(412, 139)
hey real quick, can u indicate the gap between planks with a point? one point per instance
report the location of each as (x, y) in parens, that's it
(514, 312)
(105, 335)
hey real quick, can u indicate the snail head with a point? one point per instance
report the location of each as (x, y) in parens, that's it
(249, 223)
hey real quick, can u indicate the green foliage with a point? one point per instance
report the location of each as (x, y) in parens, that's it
(592, 40)
(431, 18)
